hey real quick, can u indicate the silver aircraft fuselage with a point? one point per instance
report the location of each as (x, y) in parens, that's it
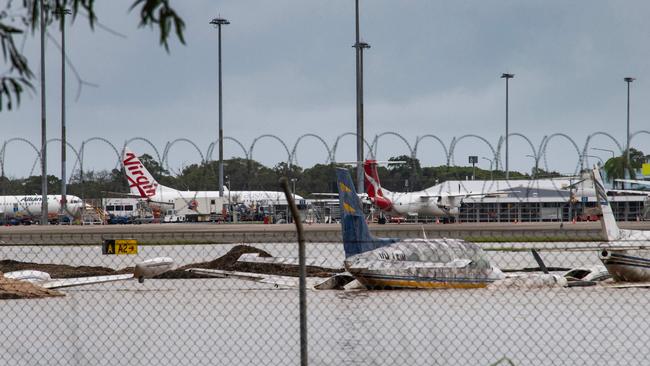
(627, 265)
(424, 263)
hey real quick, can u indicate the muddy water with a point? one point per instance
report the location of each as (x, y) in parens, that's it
(226, 321)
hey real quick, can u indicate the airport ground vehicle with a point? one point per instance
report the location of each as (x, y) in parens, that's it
(198, 209)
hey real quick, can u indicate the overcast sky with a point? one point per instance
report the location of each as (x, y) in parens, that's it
(288, 69)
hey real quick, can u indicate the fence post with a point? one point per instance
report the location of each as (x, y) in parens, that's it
(302, 270)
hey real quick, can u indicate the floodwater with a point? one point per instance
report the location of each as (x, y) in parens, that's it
(228, 321)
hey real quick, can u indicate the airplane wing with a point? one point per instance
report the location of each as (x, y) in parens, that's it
(292, 261)
(629, 191)
(80, 281)
(635, 181)
(336, 195)
(277, 281)
(145, 269)
(628, 285)
(43, 279)
(466, 194)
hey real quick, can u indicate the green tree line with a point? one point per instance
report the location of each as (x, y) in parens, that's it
(244, 174)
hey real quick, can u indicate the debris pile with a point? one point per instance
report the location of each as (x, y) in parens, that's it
(13, 289)
(56, 270)
(228, 262)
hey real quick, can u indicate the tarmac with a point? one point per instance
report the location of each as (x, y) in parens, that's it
(197, 233)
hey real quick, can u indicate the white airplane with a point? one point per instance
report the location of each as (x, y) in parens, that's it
(20, 207)
(645, 184)
(426, 202)
(143, 185)
(626, 256)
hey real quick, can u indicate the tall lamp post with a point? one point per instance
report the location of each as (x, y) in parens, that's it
(43, 122)
(62, 12)
(219, 22)
(359, 46)
(628, 80)
(507, 77)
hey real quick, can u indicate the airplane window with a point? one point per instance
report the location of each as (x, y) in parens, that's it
(128, 208)
(119, 208)
(110, 208)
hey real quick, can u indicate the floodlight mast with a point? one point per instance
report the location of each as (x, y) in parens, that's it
(628, 80)
(44, 217)
(218, 22)
(62, 12)
(507, 77)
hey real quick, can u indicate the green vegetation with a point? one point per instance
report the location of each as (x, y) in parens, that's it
(243, 174)
(616, 167)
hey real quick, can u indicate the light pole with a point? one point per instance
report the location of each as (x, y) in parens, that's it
(507, 77)
(628, 80)
(490, 160)
(359, 46)
(219, 22)
(43, 122)
(62, 12)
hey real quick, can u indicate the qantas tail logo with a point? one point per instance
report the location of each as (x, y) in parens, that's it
(141, 182)
(373, 186)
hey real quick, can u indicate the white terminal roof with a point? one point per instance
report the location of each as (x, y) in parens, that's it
(529, 190)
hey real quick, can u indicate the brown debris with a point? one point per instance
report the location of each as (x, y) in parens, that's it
(228, 262)
(14, 289)
(55, 270)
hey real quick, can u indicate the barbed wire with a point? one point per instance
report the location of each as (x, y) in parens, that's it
(330, 150)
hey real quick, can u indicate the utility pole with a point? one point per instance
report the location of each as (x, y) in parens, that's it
(628, 165)
(62, 12)
(507, 77)
(43, 122)
(360, 139)
(219, 22)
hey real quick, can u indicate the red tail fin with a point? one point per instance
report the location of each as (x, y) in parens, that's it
(373, 186)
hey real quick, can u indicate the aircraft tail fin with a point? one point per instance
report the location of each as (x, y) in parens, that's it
(141, 182)
(608, 224)
(371, 179)
(356, 235)
(373, 186)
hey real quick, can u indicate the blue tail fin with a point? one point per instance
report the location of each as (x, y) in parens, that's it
(356, 235)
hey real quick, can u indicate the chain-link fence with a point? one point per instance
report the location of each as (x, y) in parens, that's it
(233, 299)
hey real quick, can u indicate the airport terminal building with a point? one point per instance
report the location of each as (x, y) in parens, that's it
(542, 200)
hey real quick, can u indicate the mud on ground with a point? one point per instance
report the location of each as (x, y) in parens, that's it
(226, 262)
(13, 289)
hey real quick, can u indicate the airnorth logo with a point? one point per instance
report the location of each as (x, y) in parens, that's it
(344, 188)
(137, 178)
